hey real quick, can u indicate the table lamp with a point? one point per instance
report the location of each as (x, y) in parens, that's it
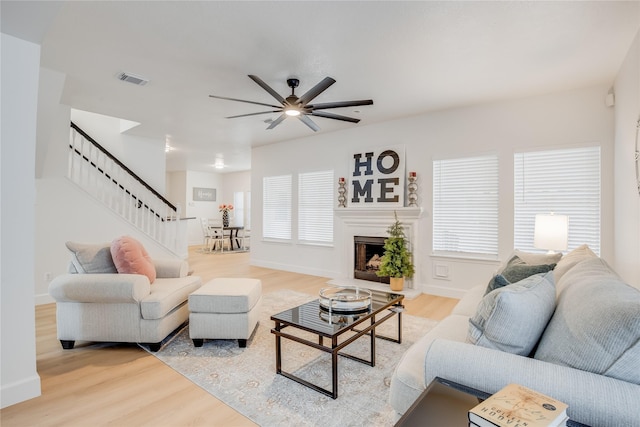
(551, 232)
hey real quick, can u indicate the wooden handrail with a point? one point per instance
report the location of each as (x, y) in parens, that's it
(122, 165)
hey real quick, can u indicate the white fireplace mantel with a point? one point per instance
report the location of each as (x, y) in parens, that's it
(374, 221)
(358, 214)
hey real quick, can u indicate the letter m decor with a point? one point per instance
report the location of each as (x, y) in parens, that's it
(377, 178)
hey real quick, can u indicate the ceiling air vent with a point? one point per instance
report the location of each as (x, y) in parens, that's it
(132, 78)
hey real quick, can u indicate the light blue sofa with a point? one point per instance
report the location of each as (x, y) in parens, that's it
(588, 354)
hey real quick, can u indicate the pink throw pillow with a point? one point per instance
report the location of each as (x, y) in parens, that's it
(130, 257)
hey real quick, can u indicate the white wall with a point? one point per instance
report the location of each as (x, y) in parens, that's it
(20, 68)
(627, 200)
(146, 157)
(565, 119)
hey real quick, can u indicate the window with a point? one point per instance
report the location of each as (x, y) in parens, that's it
(465, 205)
(315, 207)
(238, 207)
(276, 211)
(566, 182)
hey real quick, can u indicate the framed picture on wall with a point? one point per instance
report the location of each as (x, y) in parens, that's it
(204, 194)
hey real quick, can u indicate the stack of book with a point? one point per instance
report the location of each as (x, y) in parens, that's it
(518, 406)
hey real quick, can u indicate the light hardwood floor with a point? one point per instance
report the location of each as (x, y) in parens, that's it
(122, 385)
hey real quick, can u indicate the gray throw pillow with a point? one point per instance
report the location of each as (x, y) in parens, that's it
(516, 270)
(93, 259)
(513, 317)
(596, 325)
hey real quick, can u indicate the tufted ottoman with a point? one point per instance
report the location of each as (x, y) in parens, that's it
(225, 308)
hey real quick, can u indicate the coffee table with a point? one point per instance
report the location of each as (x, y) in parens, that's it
(310, 317)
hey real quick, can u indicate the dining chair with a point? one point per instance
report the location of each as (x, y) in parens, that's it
(218, 234)
(207, 235)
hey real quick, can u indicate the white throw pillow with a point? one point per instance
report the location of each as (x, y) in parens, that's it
(512, 318)
(88, 258)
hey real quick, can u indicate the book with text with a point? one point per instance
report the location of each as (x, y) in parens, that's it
(518, 406)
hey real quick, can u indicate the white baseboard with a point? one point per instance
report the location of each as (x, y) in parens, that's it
(44, 299)
(442, 291)
(20, 391)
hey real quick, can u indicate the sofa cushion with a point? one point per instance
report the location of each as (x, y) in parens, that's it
(166, 295)
(516, 270)
(468, 304)
(596, 325)
(512, 318)
(130, 257)
(407, 381)
(570, 260)
(91, 258)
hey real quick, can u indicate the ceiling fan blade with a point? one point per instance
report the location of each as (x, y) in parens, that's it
(334, 116)
(266, 87)
(341, 104)
(307, 121)
(316, 90)
(254, 114)
(242, 100)
(277, 121)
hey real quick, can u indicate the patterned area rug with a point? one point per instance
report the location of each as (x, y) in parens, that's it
(245, 378)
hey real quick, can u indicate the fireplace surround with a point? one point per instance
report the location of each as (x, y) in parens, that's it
(374, 222)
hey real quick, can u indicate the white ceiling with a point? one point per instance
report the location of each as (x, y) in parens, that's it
(409, 57)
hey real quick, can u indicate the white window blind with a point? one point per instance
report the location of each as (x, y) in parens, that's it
(565, 182)
(315, 207)
(276, 210)
(465, 205)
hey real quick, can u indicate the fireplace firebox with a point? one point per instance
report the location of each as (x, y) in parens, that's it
(367, 253)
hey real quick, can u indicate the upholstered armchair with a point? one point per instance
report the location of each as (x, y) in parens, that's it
(95, 303)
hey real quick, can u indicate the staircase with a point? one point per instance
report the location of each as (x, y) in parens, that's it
(108, 180)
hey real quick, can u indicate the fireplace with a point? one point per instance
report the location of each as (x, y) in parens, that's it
(353, 223)
(367, 253)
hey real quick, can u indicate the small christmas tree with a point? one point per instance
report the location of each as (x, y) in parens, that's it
(396, 261)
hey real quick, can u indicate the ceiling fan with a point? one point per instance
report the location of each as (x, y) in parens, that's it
(292, 106)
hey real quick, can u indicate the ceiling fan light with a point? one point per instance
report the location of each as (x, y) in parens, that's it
(292, 112)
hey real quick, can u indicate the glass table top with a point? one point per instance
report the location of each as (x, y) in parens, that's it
(314, 318)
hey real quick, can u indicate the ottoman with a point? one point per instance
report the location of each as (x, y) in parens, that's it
(225, 308)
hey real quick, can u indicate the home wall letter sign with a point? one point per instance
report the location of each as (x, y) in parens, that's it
(377, 178)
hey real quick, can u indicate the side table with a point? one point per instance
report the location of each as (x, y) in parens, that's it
(447, 403)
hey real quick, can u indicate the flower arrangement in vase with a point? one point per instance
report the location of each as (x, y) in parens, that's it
(225, 209)
(396, 261)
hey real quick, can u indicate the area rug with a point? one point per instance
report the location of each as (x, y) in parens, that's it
(245, 378)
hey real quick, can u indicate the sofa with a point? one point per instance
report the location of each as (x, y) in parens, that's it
(114, 292)
(572, 333)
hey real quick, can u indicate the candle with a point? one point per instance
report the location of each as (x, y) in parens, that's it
(412, 174)
(341, 180)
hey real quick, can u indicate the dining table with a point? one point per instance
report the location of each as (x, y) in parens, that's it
(233, 235)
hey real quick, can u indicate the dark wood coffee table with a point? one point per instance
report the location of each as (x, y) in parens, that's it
(310, 317)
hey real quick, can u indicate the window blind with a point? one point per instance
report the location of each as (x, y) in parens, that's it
(315, 207)
(276, 209)
(566, 182)
(465, 205)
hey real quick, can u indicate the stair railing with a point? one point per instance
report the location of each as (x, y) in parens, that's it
(110, 181)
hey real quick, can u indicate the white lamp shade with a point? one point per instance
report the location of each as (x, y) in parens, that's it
(551, 232)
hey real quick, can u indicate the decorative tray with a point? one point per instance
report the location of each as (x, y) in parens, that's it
(345, 300)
